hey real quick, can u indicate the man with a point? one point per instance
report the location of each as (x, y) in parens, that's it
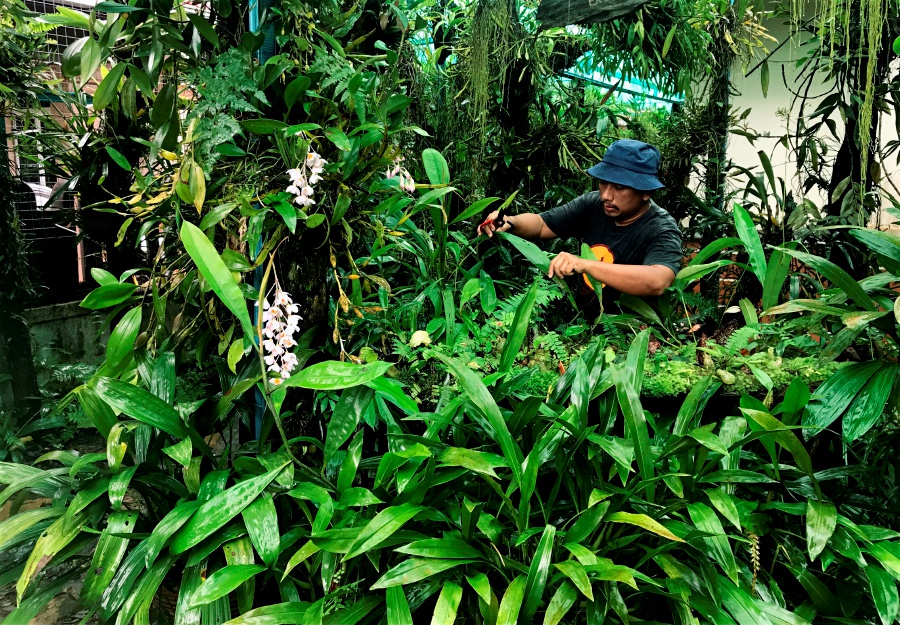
(637, 244)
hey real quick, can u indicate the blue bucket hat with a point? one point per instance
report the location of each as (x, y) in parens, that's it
(630, 163)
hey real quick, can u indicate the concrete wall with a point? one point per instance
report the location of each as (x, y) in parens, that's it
(71, 332)
(774, 116)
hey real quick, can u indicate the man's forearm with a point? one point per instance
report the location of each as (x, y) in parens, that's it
(640, 280)
(529, 226)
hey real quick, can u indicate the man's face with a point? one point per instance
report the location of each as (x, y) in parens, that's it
(622, 204)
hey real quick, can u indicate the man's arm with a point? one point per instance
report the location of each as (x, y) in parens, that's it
(526, 225)
(640, 280)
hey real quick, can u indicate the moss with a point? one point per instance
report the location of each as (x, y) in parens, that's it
(668, 378)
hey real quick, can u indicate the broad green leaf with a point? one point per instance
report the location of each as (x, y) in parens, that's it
(537, 573)
(636, 423)
(220, 509)
(776, 273)
(414, 570)
(141, 405)
(746, 230)
(741, 605)
(511, 603)
(204, 28)
(870, 403)
(304, 552)
(381, 527)
(535, 255)
(481, 585)
(397, 607)
(821, 519)
(288, 613)
(519, 330)
(475, 389)
(587, 522)
(435, 167)
(224, 581)
(347, 414)
(107, 556)
(180, 452)
(835, 394)
(333, 375)
(51, 542)
(785, 438)
(338, 138)
(213, 269)
(837, 276)
(349, 467)
(108, 88)
(723, 502)
(884, 594)
(261, 520)
(878, 241)
(166, 527)
(607, 571)
(576, 573)
(108, 295)
(447, 548)
(18, 523)
(475, 209)
(478, 461)
(643, 521)
(821, 596)
(706, 520)
(563, 600)
(447, 604)
(709, 440)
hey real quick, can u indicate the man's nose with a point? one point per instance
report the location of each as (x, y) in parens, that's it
(605, 195)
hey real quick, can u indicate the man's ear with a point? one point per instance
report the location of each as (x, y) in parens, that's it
(647, 195)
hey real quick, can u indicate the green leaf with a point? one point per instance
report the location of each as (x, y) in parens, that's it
(108, 295)
(477, 461)
(109, 89)
(475, 389)
(119, 158)
(166, 527)
(121, 340)
(447, 548)
(746, 230)
(333, 375)
(338, 138)
(643, 521)
(220, 509)
(576, 573)
(381, 527)
(414, 570)
(537, 574)
(669, 39)
(397, 607)
(512, 602)
(706, 520)
(263, 126)
(764, 77)
(785, 438)
(302, 554)
(435, 167)
(288, 214)
(12, 527)
(535, 255)
(475, 209)
(141, 405)
(870, 403)
(635, 423)
(692, 408)
(519, 329)
(51, 542)
(223, 582)
(835, 395)
(180, 452)
(347, 414)
(213, 269)
(586, 524)
(837, 276)
(709, 440)
(261, 520)
(107, 556)
(741, 605)
(776, 273)
(821, 519)
(204, 28)
(563, 600)
(481, 585)
(447, 604)
(315, 220)
(723, 502)
(884, 594)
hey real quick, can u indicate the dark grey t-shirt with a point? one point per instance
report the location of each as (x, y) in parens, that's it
(654, 239)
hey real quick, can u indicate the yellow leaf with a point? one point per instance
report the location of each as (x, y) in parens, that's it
(198, 185)
(169, 156)
(159, 197)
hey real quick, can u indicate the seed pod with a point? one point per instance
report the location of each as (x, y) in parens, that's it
(726, 376)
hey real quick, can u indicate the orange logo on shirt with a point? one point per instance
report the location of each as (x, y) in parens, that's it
(604, 255)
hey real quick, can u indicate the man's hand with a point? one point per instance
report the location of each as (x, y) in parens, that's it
(566, 264)
(489, 226)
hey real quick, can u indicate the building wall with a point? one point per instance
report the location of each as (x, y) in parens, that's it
(771, 115)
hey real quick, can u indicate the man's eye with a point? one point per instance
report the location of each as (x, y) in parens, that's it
(618, 187)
